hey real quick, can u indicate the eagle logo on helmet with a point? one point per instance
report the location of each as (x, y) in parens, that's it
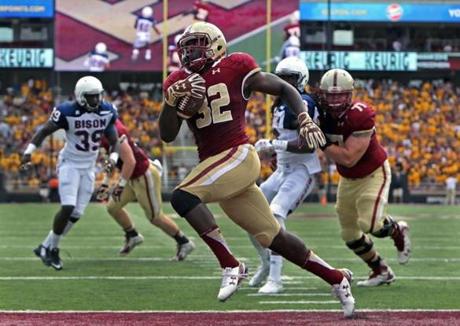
(336, 92)
(200, 44)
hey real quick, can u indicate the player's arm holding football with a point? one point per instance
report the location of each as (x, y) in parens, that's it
(272, 84)
(55, 123)
(191, 86)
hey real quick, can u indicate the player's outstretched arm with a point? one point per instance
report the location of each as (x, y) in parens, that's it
(352, 150)
(127, 157)
(47, 129)
(114, 145)
(272, 84)
(169, 123)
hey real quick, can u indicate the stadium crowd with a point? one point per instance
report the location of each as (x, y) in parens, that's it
(417, 124)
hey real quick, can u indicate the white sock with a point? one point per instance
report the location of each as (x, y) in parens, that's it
(264, 254)
(135, 54)
(276, 265)
(46, 242)
(54, 240)
(67, 228)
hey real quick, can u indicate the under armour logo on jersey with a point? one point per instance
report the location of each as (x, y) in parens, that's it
(215, 71)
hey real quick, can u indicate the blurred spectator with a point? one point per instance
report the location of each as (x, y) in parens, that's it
(98, 59)
(200, 11)
(399, 185)
(451, 190)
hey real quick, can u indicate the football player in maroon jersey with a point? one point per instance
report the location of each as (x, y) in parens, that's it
(140, 180)
(365, 176)
(229, 165)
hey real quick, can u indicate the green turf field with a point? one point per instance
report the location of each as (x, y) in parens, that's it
(96, 278)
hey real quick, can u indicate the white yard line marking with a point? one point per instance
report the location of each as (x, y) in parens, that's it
(418, 260)
(215, 311)
(299, 302)
(289, 295)
(163, 277)
(288, 288)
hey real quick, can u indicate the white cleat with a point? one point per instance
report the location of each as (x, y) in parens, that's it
(384, 276)
(231, 279)
(342, 292)
(131, 243)
(260, 275)
(184, 250)
(402, 242)
(271, 287)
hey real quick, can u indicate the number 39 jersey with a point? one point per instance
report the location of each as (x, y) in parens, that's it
(83, 131)
(220, 123)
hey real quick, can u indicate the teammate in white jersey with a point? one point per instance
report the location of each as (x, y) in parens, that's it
(144, 25)
(84, 122)
(98, 59)
(293, 179)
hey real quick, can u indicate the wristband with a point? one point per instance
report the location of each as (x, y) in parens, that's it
(30, 149)
(114, 157)
(122, 182)
(280, 144)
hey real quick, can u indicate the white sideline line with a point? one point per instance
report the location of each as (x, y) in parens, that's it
(289, 295)
(149, 247)
(426, 259)
(251, 311)
(161, 277)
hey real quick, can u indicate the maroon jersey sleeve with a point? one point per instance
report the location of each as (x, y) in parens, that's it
(245, 65)
(361, 117)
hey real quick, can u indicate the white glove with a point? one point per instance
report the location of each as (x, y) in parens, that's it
(263, 145)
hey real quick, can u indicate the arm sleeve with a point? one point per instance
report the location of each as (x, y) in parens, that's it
(245, 65)
(114, 118)
(58, 118)
(363, 121)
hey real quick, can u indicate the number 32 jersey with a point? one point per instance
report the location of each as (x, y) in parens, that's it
(83, 130)
(220, 123)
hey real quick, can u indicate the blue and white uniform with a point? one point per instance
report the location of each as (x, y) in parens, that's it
(77, 160)
(97, 61)
(143, 28)
(293, 179)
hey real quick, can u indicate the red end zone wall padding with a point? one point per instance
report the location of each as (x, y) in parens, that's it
(74, 39)
(399, 318)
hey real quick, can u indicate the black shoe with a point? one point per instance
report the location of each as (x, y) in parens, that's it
(44, 254)
(55, 261)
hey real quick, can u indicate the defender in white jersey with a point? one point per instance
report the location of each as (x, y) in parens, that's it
(293, 179)
(98, 59)
(144, 25)
(84, 121)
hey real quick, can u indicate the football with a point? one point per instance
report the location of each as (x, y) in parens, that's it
(189, 105)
